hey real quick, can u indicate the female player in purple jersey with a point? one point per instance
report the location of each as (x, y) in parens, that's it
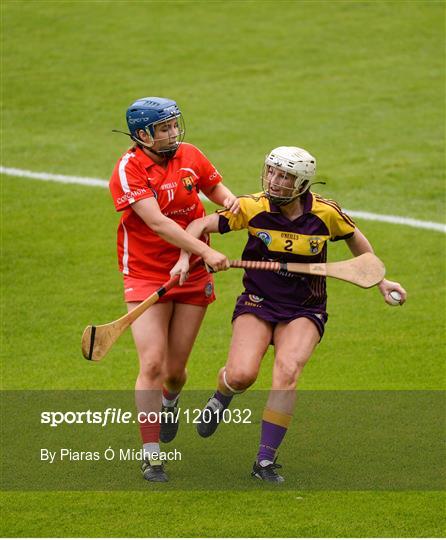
(288, 223)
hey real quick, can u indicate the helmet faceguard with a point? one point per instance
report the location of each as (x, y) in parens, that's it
(287, 174)
(150, 114)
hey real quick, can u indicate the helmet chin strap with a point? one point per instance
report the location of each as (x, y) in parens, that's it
(314, 183)
(168, 153)
(142, 143)
(282, 201)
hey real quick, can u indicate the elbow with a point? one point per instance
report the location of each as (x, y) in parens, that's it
(158, 226)
(155, 226)
(203, 226)
(211, 190)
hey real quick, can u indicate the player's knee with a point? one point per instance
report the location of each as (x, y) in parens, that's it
(175, 376)
(151, 371)
(287, 371)
(240, 378)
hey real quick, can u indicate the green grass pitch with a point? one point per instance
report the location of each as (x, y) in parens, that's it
(360, 84)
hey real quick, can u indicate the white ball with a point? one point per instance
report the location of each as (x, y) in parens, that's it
(395, 298)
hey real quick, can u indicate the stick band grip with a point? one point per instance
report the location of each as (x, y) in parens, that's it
(161, 291)
(93, 333)
(259, 265)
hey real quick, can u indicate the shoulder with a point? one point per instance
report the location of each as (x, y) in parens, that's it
(254, 204)
(130, 155)
(128, 159)
(190, 158)
(128, 173)
(329, 209)
(324, 205)
(191, 153)
(123, 161)
(250, 207)
(189, 150)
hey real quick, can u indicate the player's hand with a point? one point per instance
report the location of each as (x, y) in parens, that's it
(181, 267)
(232, 204)
(386, 287)
(216, 260)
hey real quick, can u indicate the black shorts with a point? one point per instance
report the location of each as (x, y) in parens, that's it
(274, 313)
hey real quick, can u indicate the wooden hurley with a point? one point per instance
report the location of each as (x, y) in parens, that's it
(98, 340)
(365, 271)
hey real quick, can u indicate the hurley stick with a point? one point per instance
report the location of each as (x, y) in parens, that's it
(365, 271)
(98, 340)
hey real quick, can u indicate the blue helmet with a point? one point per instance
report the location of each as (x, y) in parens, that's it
(145, 113)
(148, 111)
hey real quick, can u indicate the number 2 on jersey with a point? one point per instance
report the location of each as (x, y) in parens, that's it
(288, 246)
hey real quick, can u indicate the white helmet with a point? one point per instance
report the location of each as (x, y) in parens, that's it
(292, 160)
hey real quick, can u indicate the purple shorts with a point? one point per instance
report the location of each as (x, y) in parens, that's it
(277, 313)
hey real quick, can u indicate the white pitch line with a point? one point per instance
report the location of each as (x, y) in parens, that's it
(398, 220)
(85, 181)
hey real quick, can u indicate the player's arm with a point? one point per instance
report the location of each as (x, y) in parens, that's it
(223, 196)
(210, 183)
(149, 211)
(358, 244)
(205, 225)
(198, 227)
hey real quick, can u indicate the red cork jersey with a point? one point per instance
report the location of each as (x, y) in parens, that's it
(273, 237)
(141, 252)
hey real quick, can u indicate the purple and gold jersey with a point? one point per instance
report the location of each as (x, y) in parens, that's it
(273, 237)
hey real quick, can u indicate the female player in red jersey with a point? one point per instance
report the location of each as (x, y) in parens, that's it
(288, 223)
(156, 185)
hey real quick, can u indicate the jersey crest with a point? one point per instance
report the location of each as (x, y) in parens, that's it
(265, 237)
(188, 183)
(314, 242)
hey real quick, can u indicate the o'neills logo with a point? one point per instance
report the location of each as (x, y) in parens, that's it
(131, 195)
(214, 175)
(253, 301)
